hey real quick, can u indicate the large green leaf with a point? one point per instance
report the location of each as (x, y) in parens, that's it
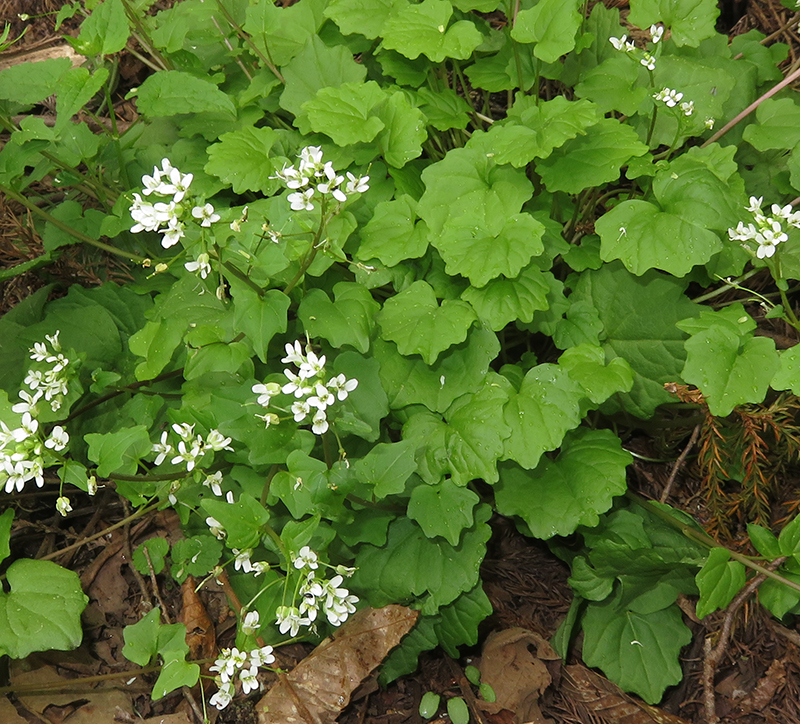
(639, 316)
(42, 610)
(423, 29)
(343, 113)
(394, 572)
(502, 301)
(75, 89)
(346, 321)
(260, 318)
(591, 160)
(243, 520)
(637, 651)
(362, 16)
(391, 234)
(468, 187)
(404, 130)
(778, 125)
(690, 20)
(788, 376)
(480, 255)
(551, 25)
(571, 490)
(418, 325)
(443, 509)
(614, 85)
(29, 83)
(105, 31)
(387, 467)
(281, 32)
(539, 415)
(170, 92)
(241, 159)
(586, 365)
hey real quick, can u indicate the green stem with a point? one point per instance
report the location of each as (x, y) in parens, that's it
(80, 236)
(265, 59)
(265, 490)
(652, 125)
(734, 283)
(241, 276)
(143, 37)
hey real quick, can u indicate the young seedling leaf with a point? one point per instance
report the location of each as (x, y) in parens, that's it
(718, 581)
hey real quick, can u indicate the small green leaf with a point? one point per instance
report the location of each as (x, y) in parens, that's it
(473, 674)
(718, 581)
(551, 25)
(120, 451)
(259, 317)
(42, 610)
(241, 159)
(561, 494)
(614, 85)
(777, 597)
(423, 29)
(443, 509)
(502, 301)
(75, 88)
(418, 325)
(174, 674)
(141, 638)
(362, 16)
(457, 710)
(788, 375)
(487, 693)
(727, 370)
(387, 467)
(539, 415)
(105, 31)
(429, 705)
(789, 538)
(194, 556)
(586, 365)
(243, 520)
(170, 92)
(157, 548)
(281, 32)
(778, 125)
(346, 321)
(764, 541)
(404, 130)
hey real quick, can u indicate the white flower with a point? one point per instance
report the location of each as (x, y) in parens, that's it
(250, 624)
(214, 482)
(269, 419)
(206, 213)
(289, 619)
(656, 32)
(216, 441)
(294, 354)
(356, 184)
(709, 123)
(202, 266)
(648, 61)
(215, 528)
(28, 404)
(266, 392)
(296, 385)
(91, 485)
(163, 448)
(305, 558)
(342, 386)
(223, 696)
(755, 204)
(38, 352)
(621, 44)
(242, 560)
(687, 108)
(173, 234)
(151, 183)
(29, 426)
(319, 423)
(184, 431)
(259, 567)
(58, 439)
(63, 505)
(188, 456)
(301, 200)
(668, 96)
(323, 397)
(311, 366)
(54, 343)
(249, 679)
(262, 656)
(310, 158)
(300, 410)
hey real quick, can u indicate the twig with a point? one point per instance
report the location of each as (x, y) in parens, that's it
(154, 584)
(126, 543)
(187, 694)
(714, 655)
(676, 468)
(466, 690)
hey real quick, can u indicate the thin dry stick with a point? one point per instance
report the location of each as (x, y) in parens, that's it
(126, 543)
(154, 584)
(714, 655)
(679, 464)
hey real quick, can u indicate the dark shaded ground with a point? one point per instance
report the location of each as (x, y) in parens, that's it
(758, 679)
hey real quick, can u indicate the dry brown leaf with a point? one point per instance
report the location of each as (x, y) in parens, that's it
(756, 700)
(320, 686)
(73, 703)
(607, 702)
(8, 713)
(200, 634)
(512, 663)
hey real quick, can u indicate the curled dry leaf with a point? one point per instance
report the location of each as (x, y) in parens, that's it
(512, 663)
(200, 634)
(320, 686)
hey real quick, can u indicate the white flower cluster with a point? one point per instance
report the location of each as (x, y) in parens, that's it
(671, 98)
(313, 177)
(313, 391)
(25, 451)
(628, 46)
(328, 596)
(246, 663)
(190, 448)
(168, 217)
(767, 231)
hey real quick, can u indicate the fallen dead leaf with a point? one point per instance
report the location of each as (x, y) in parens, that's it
(70, 703)
(607, 703)
(512, 663)
(181, 718)
(756, 700)
(200, 634)
(8, 713)
(320, 686)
